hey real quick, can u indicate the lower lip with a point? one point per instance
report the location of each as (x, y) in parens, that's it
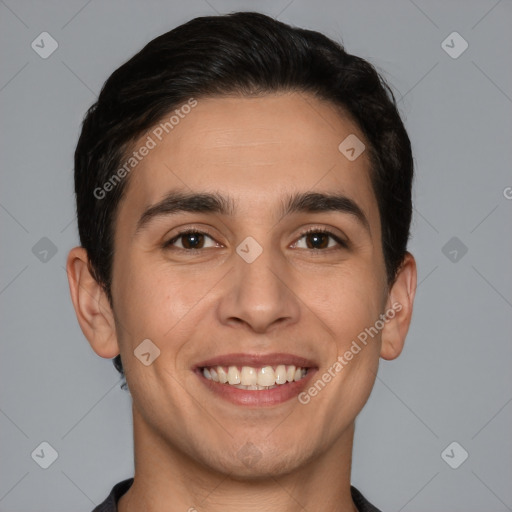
(258, 398)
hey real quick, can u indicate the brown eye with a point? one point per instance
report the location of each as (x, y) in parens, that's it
(317, 240)
(320, 239)
(192, 240)
(189, 240)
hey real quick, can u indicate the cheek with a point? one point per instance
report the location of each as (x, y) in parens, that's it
(154, 297)
(351, 300)
(154, 302)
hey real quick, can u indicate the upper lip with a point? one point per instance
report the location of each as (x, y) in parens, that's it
(257, 360)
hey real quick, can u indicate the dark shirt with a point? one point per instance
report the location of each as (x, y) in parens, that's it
(110, 504)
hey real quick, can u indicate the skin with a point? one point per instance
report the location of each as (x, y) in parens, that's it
(310, 302)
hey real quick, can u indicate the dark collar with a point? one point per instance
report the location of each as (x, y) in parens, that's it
(110, 503)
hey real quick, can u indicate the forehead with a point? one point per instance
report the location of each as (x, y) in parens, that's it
(254, 149)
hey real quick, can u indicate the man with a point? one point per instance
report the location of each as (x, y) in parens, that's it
(244, 201)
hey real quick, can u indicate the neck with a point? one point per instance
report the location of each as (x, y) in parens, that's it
(166, 479)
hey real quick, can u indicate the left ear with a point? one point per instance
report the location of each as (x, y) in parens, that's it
(400, 301)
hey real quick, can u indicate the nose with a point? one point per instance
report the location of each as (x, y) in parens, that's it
(259, 295)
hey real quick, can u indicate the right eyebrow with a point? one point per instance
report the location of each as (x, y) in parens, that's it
(176, 201)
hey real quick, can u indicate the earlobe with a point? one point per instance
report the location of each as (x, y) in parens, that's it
(399, 307)
(91, 305)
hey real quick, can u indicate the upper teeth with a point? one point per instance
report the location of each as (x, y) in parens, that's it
(254, 378)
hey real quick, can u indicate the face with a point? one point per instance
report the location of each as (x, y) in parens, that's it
(262, 290)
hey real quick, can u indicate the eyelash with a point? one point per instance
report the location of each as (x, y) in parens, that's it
(188, 231)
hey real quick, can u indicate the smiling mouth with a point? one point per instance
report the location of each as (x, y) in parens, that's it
(254, 378)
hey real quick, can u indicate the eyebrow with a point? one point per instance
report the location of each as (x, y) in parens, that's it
(213, 202)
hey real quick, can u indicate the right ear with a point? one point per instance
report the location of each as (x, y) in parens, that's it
(91, 305)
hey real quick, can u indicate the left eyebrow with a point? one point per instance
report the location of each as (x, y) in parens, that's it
(317, 202)
(208, 202)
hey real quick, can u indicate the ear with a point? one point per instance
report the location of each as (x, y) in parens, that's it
(399, 307)
(91, 305)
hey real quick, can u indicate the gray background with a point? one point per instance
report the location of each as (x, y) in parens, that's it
(453, 382)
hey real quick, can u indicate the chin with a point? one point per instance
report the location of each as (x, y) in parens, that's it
(253, 463)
